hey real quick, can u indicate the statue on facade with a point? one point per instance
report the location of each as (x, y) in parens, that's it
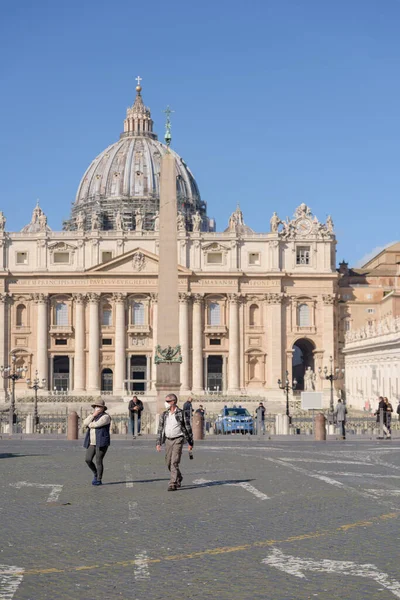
(119, 224)
(156, 220)
(329, 224)
(42, 222)
(275, 222)
(180, 222)
(2, 221)
(196, 220)
(80, 221)
(309, 380)
(232, 222)
(95, 222)
(139, 221)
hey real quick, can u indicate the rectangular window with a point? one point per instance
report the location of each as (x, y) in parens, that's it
(214, 258)
(61, 258)
(254, 259)
(303, 255)
(215, 314)
(106, 342)
(370, 311)
(61, 342)
(107, 317)
(106, 256)
(347, 325)
(215, 342)
(22, 258)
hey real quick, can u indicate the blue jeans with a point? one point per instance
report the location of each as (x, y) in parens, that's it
(132, 424)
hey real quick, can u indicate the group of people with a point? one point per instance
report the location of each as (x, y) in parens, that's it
(384, 414)
(173, 430)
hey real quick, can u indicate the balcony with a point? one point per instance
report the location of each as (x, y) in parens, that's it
(215, 330)
(139, 329)
(310, 329)
(61, 330)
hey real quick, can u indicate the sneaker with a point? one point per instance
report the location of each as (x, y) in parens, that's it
(94, 481)
(179, 482)
(98, 482)
(172, 488)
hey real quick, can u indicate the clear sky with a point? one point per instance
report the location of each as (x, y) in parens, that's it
(277, 102)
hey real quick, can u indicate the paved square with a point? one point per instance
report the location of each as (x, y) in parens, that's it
(278, 520)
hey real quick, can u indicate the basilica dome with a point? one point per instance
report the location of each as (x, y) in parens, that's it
(125, 177)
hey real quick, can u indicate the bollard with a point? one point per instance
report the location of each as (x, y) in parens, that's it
(320, 427)
(29, 424)
(198, 426)
(72, 431)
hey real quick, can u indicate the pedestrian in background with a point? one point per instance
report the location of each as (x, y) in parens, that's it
(389, 411)
(260, 416)
(382, 410)
(340, 414)
(174, 429)
(97, 439)
(398, 409)
(188, 409)
(135, 406)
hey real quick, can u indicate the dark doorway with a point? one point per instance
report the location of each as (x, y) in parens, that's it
(214, 373)
(61, 373)
(303, 357)
(138, 374)
(106, 380)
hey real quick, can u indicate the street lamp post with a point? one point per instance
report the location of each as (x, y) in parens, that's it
(13, 373)
(332, 374)
(36, 384)
(287, 387)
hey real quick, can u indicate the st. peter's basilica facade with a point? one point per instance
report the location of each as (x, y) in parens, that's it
(79, 306)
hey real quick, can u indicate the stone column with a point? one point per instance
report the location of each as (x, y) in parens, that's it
(184, 339)
(154, 301)
(94, 343)
(80, 358)
(275, 339)
(3, 334)
(42, 360)
(197, 353)
(328, 333)
(120, 333)
(234, 345)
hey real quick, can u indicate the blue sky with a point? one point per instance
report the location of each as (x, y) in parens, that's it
(277, 102)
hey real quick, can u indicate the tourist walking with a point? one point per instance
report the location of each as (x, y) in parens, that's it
(340, 414)
(389, 411)
(260, 417)
(174, 429)
(188, 409)
(382, 410)
(97, 439)
(135, 407)
(398, 409)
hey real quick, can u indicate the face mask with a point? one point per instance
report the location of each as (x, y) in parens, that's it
(167, 405)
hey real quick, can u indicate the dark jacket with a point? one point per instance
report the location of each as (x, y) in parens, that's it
(102, 434)
(188, 408)
(184, 422)
(132, 405)
(261, 411)
(382, 406)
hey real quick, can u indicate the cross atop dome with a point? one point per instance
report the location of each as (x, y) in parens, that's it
(138, 120)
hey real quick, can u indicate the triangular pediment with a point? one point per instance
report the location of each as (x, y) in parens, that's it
(136, 261)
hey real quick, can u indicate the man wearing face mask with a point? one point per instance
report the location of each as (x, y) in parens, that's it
(174, 429)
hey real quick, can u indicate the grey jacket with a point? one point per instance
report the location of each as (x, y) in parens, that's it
(340, 412)
(184, 421)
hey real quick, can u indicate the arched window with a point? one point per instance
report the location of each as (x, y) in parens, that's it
(254, 315)
(138, 313)
(21, 315)
(304, 315)
(107, 315)
(215, 314)
(61, 314)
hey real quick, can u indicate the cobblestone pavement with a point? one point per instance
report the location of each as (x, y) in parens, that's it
(270, 520)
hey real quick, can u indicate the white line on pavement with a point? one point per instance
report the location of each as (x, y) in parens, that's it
(243, 484)
(326, 461)
(133, 514)
(10, 578)
(141, 569)
(295, 566)
(346, 474)
(55, 488)
(380, 492)
(128, 476)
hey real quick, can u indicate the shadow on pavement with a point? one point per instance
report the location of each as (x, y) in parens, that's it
(213, 483)
(12, 455)
(137, 481)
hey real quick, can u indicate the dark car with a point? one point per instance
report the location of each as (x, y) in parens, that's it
(234, 420)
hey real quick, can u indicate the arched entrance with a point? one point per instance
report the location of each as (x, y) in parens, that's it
(303, 357)
(106, 380)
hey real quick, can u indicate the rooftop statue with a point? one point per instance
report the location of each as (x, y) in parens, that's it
(2, 221)
(180, 222)
(196, 220)
(275, 222)
(139, 221)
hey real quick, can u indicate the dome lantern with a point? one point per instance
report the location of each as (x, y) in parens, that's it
(138, 120)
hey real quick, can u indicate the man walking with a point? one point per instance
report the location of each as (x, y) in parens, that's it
(174, 429)
(97, 439)
(188, 409)
(340, 414)
(135, 407)
(260, 415)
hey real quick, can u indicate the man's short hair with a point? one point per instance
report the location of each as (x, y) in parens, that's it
(172, 397)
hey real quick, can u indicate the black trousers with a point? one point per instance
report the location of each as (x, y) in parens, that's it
(99, 453)
(342, 425)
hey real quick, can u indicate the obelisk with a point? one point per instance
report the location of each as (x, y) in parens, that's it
(168, 352)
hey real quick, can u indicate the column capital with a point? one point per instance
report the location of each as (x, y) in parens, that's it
(40, 298)
(93, 297)
(274, 298)
(5, 297)
(184, 297)
(234, 298)
(328, 299)
(79, 298)
(119, 297)
(198, 298)
(154, 297)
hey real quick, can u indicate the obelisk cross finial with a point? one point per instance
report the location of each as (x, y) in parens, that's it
(168, 136)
